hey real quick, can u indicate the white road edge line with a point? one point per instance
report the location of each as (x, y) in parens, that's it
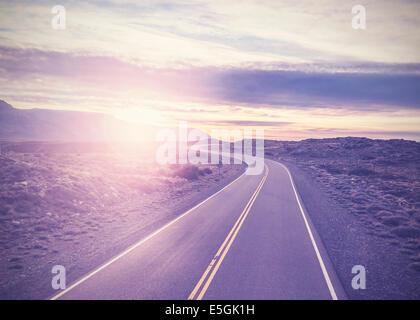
(321, 262)
(89, 275)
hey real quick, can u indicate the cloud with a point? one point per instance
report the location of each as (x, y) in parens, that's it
(243, 123)
(90, 75)
(350, 90)
(219, 32)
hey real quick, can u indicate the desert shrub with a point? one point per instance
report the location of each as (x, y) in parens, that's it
(381, 214)
(331, 169)
(414, 196)
(399, 193)
(150, 185)
(148, 189)
(386, 162)
(16, 267)
(205, 171)
(7, 200)
(413, 212)
(189, 172)
(406, 232)
(18, 174)
(4, 210)
(61, 193)
(389, 176)
(415, 266)
(367, 157)
(23, 207)
(25, 196)
(374, 209)
(361, 172)
(392, 221)
(359, 199)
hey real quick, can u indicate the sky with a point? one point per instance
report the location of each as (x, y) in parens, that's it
(296, 69)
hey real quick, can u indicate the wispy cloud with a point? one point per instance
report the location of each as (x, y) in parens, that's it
(220, 32)
(243, 123)
(284, 64)
(299, 89)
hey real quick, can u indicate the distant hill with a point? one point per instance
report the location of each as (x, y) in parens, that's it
(351, 148)
(58, 125)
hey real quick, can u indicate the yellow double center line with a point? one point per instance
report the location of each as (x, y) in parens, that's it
(224, 248)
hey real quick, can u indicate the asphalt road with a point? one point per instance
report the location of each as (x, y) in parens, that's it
(251, 240)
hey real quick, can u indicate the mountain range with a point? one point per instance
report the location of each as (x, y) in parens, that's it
(60, 125)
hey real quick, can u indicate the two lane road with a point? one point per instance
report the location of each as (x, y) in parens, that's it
(251, 240)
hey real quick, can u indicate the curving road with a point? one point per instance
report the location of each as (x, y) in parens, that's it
(250, 240)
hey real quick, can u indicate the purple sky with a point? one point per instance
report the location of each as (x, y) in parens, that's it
(296, 70)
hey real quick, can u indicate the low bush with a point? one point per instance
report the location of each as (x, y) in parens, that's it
(189, 172)
(363, 172)
(406, 232)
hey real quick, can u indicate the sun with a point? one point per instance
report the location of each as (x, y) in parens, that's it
(141, 116)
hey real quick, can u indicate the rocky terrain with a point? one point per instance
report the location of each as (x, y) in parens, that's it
(63, 204)
(376, 181)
